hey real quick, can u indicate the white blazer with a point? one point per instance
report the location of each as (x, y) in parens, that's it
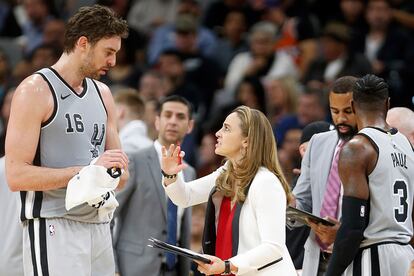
(261, 225)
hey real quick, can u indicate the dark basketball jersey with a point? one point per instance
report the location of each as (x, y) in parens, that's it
(391, 188)
(73, 136)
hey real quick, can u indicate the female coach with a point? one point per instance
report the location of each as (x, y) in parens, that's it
(247, 197)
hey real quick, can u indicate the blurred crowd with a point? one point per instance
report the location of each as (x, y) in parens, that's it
(278, 56)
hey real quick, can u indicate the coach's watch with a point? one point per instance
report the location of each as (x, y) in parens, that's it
(227, 268)
(169, 176)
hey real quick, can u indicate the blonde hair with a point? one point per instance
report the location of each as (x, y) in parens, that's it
(261, 151)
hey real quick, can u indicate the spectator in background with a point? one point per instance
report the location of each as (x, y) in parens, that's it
(336, 60)
(297, 30)
(147, 15)
(312, 104)
(53, 33)
(9, 27)
(250, 92)
(261, 61)
(281, 98)
(390, 51)
(42, 56)
(217, 11)
(288, 152)
(353, 15)
(5, 74)
(130, 115)
(38, 12)
(231, 39)
(199, 67)
(207, 161)
(150, 117)
(171, 65)
(152, 86)
(403, 13)
(402, 119)
(164, 37)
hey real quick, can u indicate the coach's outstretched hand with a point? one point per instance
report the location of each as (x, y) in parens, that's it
(171, 162)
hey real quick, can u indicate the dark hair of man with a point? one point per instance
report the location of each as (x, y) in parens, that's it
(132, 100)
(343, 85)
(175, 98)
(94, 22)
(370, 92)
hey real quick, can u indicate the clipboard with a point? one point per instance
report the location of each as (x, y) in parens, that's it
(177, 250)
(301, 216)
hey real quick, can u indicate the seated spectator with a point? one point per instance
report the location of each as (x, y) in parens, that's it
(261, 61)
(231, 39)
(250, 92)
(164, 37)
(152, 86)
(207, 161)
(297, 30)
(9, 27)
(38, 12)
(53, 33)
(288, 152)
(390, 51)
(5, 74)
(171, 65)
(336, 60)
(312, 106)
(147, 15)
(281, 98)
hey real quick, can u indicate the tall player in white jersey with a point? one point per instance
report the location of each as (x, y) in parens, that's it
(61, 119)
(376, 168)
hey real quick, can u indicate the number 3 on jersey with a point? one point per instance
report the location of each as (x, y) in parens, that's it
(77, 121)
(400, 190)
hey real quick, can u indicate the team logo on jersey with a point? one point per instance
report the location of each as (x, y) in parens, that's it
(51, 230)
(101, 203)
(95, 140)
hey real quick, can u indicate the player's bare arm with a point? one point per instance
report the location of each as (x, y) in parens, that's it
(357, 160)
(113, 156)
(32, 105)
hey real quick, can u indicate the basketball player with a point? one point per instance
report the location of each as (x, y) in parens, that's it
(376, 168)
(61, 119)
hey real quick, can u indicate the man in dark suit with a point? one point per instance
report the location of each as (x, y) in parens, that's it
(144, 210)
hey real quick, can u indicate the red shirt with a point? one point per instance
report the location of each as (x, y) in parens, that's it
(224, 244)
